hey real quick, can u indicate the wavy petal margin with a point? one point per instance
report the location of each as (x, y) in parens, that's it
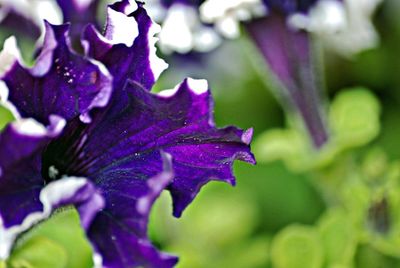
(119, 234)
(127, 47)
(60, 83)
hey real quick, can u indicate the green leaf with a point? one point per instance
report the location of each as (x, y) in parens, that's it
(367, 257)
(278, 144)
(338, 237)
(354, 117)
(375, 165)
(297, 246)
(339, 265)
(39, 252)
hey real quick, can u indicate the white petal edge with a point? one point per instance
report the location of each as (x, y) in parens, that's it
(125, 36)
(4, 92)
(47, 10)
(54, 193)
(197, 86)
(9, 55)
(121, 29)
(104, 95)
(169, 92)
(157, 64)
(97, 260)
(31, 127)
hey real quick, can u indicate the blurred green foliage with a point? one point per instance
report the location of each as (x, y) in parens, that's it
(295, 247)
(39, 252)
(353, 121)
(56, 243)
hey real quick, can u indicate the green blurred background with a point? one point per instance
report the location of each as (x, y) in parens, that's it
(297, 208)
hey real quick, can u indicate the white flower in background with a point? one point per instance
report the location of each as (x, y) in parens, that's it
(156, 10)
(33, 10)
(182, 31)
(227, 15)
(344, 27)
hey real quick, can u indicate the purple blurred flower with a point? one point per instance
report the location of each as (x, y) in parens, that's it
(79, 13)
(89, 133)
(25, 17)
(289, 56)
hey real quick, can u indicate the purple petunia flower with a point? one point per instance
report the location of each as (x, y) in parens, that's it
(89, 133)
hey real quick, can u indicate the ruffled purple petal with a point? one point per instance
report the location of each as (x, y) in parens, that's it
(119, 232)
(21, 144)
(124, 140)
(201, 152)
(61, 82)
(66, 191)
(72, 191)
(288, 55)
(127, 47)
(22, 200)
(80, 192)
(25, 198)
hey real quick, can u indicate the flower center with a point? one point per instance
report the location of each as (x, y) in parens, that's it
(63, 156)
(53, 173)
